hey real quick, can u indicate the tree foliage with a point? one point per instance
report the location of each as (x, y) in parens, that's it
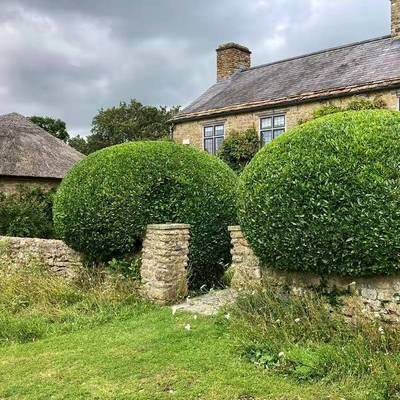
(124, 123)
(79, 143)
(55, 127)
(239, 148)
(106, 201)
(325, 196)
(127, 122)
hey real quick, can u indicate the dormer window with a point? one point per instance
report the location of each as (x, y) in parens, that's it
(213, 138)
(271, 127)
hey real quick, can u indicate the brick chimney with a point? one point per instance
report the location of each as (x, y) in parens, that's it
(232, 57)
(395, 19)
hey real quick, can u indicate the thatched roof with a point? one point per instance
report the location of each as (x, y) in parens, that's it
(354, 68)
(26, 150)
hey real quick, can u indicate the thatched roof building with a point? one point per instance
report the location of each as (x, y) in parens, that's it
(29, 154)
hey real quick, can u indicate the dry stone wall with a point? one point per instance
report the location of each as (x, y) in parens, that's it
(378, 296)
(54, 254)
(164, 261)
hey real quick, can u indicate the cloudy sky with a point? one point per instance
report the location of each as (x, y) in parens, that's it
(68, 58)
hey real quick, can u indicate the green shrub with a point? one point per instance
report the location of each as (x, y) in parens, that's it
(128, 267)
(27, 213)
(104, 204)
(239, 148)
(325, 197)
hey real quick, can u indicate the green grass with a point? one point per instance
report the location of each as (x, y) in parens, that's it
(150, 356)
(93, 338)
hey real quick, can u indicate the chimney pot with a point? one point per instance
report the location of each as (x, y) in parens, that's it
(232, 57)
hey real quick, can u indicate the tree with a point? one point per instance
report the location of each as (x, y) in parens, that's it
(55, 127)
(129, 122)
(79, 143)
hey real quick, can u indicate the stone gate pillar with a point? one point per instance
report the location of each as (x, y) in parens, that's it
(164, 261)
(245, 264)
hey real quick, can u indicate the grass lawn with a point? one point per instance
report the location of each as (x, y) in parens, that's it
(149, 355)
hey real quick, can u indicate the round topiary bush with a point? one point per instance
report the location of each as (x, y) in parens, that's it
(104, 204)
(325, 197)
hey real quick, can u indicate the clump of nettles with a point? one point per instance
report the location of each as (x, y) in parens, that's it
(104, 204)
(324, 197)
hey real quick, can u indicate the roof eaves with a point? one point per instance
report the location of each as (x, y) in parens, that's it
(14, 176)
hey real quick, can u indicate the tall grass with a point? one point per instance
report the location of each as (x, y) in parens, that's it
(35, 303)
(308, 339)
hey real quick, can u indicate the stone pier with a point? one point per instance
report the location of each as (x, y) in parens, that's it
(245, 264)
(164, 261)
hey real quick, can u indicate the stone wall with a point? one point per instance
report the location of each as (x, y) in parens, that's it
(377, 296)
(11, 184)
(192, 132)
(164, 261)
(54, 254)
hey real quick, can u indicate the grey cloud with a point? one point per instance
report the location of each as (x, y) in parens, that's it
(68, 58)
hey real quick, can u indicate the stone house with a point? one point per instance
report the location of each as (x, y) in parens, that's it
(277, 96)
(31, 156)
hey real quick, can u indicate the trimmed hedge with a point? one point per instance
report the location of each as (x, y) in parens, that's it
(104, 204)
(325, 197)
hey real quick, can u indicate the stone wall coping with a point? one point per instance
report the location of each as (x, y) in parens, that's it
(234, 228)
(168, 227)
(27, 239)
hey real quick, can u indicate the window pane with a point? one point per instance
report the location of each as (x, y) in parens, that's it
(266, 123)
(208, 131)
(219, 130)
(278, 132)
(218, 142)
(208, 145)
(279, 121)
(266, 137)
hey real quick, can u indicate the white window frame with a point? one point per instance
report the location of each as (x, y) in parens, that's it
(214, 137)
(272, 129)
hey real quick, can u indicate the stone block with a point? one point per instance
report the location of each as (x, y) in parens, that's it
(369, 294)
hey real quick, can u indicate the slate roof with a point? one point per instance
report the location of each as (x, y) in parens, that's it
(26, 150)
(353, 68)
